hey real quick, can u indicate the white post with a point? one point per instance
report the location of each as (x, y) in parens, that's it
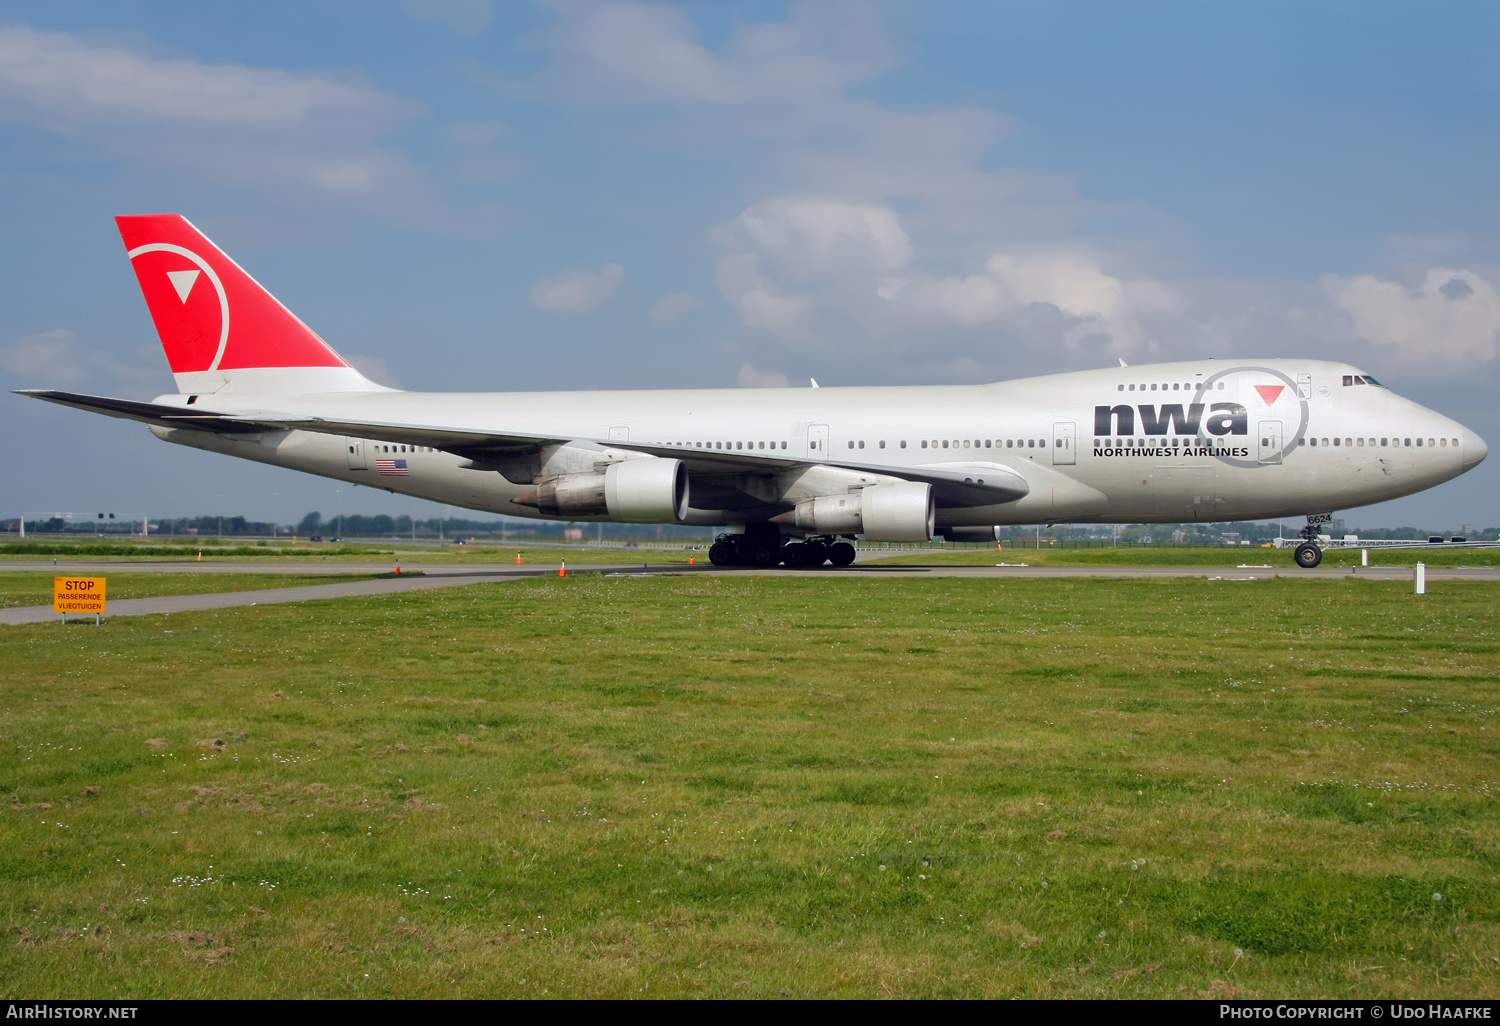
(1364, 557)
(1421, 578)
(23, 525)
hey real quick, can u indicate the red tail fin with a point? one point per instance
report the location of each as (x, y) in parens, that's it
(221, 330)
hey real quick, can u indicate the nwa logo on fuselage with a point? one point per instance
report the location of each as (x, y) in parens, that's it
(1173, 419)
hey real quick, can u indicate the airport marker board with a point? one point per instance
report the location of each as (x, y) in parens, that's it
(78, 595)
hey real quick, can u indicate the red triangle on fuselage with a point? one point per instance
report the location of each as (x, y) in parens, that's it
(1270, 393)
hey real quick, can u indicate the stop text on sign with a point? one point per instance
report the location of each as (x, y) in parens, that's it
(78, 594)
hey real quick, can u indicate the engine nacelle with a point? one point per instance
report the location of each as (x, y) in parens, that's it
(651, 491)
(890, 512)
(645, 491)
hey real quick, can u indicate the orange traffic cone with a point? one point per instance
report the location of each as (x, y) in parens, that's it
(999, 548)
(398, 569)
(562, 571)
(691, 561)
(200, 555)
(518, 559)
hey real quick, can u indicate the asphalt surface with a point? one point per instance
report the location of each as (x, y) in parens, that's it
(450, 575)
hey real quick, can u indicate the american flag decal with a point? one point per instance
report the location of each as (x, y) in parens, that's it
(391, 468)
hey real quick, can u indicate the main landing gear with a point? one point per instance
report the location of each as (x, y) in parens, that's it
(760, 547)
(1308, 554)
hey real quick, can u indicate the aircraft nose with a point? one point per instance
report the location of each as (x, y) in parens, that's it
(1474, 449)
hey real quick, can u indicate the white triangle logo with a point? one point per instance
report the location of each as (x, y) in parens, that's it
(182, 281)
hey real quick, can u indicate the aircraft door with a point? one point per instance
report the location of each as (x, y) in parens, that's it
(1062, 444)
(354, 450)
(817, 441)
(1270, 441)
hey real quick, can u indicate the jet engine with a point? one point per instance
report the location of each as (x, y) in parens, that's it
(900, 512)
(645, 491)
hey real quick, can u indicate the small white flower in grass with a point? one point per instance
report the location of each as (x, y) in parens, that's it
(1103, 933)
(1239, 952)
(882, 869)
(1437, 897)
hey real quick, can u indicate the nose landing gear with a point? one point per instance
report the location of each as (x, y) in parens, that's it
(1308, 553)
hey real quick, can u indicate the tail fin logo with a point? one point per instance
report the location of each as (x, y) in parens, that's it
(182, 281)
(194, 327)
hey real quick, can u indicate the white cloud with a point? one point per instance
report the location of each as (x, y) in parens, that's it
(47, 359)
(669, 309)
(261, 128)
(829, 275)
(57, 359)
(812, 238)
(1451, 318)
(578, 290)
(376, 369)
(749, 377)
(650, 53)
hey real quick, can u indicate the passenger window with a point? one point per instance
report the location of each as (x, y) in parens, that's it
(1119, 388)
(1444, 442)
(1361, 443)
(882, 443)
(924, 443)
(1030, 443)
(851, 443)
(986, 443)
(945, 443)
(1335, 441)
(861, 443)
(903, 443)
(1008, 444)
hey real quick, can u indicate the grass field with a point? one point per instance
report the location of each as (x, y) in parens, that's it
(547, 555)
(761, 786)
(28, 588)
(1146, 556)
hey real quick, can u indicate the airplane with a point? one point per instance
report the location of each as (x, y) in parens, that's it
(791, 475)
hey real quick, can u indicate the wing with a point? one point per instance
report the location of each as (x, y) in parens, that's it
(968, 484)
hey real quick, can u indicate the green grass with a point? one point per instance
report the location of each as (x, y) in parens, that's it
(30, 588)
(755, 786)
(545, 555)
(1166, 556)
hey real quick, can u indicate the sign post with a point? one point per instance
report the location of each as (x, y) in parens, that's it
(78, 595)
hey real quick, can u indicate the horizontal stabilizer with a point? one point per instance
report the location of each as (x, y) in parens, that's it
(146, 413)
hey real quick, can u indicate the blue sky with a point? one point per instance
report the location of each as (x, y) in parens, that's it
(465, 195)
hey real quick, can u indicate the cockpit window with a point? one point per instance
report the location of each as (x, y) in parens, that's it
(1361, 379)
(1371, 381)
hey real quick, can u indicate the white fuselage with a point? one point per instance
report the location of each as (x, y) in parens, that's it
(1252, 439)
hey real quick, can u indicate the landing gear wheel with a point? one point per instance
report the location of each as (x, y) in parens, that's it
(793, 554)
(817, 553)
(762, 554)
(721, 553)
(841, 554)
(1307, 555)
